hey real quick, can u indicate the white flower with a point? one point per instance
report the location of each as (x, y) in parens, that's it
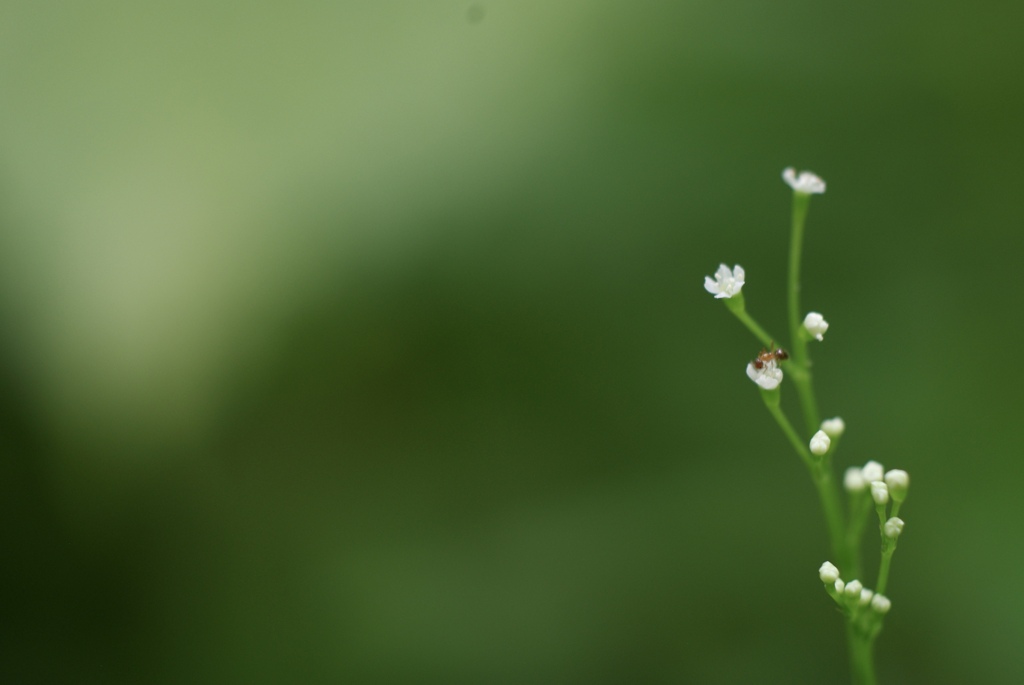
(807, 182)
(816, 325)
(872, 471)
(828, 572)
(820, 443)
(893, 527)
(881, 604)
(853, 588)
(853, 480)
(865, 597)
(726, 282)
(833, 427)
(880, 492)
(840, 586)
(768, 376)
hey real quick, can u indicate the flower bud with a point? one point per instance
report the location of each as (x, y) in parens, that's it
(840, 586)
(820, 443)
(898, 482)
(881, 604)
(853, 589)
(816, 325)
(893, 527)
(833, 427)
(865, 597)
(807, 182)
(873, 471)
(880, 492)
(828, 572)
(853, 480)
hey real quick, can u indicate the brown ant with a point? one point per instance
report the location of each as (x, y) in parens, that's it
(777, 354)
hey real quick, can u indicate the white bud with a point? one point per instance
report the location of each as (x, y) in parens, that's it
(865, 597)
(873, 471)
(853, 480)
(880, 492)
(819, 443)
(816, 325)
(840, 586)
(807, 182)
(893, 527)
(853, 588)
(833, 427)
(881, 604)
(898, 482)
(828, 572)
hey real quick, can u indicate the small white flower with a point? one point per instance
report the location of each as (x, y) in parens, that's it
(898, 482)
(726, 282)
(881, 604)
(865, 597)
(880, 492)
(840, 586)
(828, 572)
(893, 527)
(853, 589)
(873, 471)
(816, 325)
(853, 480)
(807, 182)
(820, 443)
(833, 427)
(768, 376)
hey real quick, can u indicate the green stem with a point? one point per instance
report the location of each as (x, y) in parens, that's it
(844, 540)
(736, 305)
(800, 362)
(883, 568)
(888, 547)
(828, 491)
(860, 506)
(862, 661)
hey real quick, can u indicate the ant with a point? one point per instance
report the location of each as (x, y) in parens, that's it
(777, 354)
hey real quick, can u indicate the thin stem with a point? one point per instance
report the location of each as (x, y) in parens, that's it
(888, 547)
(883, 567)
(799, 360)
(736, 305)
(860, 506)
(828, 492)
(862, 661)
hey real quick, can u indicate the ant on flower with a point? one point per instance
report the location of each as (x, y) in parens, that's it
(777, 354)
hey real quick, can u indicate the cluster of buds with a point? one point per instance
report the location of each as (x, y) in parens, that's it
(852, 596)
(884, 485)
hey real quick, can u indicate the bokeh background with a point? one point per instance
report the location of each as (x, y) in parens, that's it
(366, 342)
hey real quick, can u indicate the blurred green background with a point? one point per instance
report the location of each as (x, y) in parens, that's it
(366, 342)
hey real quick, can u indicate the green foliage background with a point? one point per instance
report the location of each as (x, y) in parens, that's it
(366, 342)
